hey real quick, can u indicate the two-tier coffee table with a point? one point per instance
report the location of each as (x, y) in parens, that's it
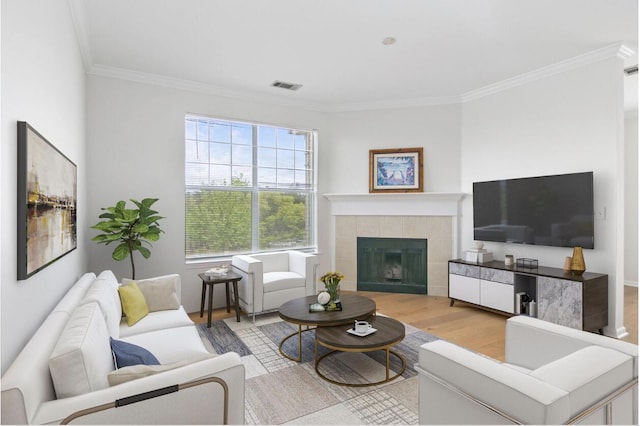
(296, 311)
(389, 333)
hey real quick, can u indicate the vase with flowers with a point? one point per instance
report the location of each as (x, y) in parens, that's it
(331, 281)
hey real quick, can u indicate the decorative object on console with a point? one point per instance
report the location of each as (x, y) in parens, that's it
(567, 264)
(131, 227)
(395, 170)
(524, 262)
(577, 262)
(508, 259)
(47, 190)
(478, 254)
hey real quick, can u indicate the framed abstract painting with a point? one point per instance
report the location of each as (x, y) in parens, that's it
(395, 170)
(47, 201)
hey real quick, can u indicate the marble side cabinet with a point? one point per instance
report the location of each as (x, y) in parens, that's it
(576, 301)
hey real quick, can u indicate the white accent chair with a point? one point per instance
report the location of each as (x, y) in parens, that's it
(270, 279)
(551, 375)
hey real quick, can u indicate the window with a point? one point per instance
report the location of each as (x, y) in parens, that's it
(248, 188)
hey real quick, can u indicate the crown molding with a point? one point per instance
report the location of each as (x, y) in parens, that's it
(78, 16)
(619, 50)
(197, 87)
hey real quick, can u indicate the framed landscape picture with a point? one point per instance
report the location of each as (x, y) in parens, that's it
(47, 200)
(395, 170)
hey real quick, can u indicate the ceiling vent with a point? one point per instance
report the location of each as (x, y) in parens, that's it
(284, 85)
(631, 70)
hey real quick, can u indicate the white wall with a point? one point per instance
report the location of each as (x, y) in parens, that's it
(136, 150)
(43, 83)
(345, 162)
(631, 199)
(569, 122)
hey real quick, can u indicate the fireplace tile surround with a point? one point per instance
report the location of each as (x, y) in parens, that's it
(434, 216)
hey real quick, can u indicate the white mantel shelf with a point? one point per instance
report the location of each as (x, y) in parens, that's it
(396, 204)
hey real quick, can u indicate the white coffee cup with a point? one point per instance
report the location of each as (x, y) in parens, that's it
(362, 326)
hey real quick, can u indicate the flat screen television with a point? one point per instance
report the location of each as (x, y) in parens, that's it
(545, 210)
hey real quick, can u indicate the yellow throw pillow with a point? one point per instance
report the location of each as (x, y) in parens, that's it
(133, 302)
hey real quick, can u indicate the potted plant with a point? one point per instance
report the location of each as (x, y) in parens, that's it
(130, 227)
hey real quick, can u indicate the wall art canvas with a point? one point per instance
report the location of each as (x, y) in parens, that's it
(47, 201)
(395, 170)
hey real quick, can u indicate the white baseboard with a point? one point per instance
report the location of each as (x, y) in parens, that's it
(631, 283)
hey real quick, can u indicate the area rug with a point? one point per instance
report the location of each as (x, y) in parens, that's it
(281, 391)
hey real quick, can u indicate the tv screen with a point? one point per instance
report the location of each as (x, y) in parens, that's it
(545, 210)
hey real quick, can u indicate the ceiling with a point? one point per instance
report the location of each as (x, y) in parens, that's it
(444, 50)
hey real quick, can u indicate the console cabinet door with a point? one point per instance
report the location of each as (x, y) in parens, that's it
(560, 301)
(464, 288)
(496, 296)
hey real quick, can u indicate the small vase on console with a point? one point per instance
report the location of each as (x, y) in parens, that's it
(577, 262)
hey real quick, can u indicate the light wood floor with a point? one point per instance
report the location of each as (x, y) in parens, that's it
(463, 324)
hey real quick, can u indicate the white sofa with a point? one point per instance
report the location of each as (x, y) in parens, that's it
(67, 366)
(271, 279)
(551, 375)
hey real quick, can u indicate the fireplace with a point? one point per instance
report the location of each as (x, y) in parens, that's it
(394, 265)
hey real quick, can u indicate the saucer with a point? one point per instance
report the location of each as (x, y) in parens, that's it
(366, 333)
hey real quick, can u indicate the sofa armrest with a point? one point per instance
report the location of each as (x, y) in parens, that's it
(174, 408)
(457, 386)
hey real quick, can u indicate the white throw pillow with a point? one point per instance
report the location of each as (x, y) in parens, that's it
(159, 292)
(134, 372)
(82, 357)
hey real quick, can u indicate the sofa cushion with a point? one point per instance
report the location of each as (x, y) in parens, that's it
(105, 293)
(133, 302)
(126, 354)
(138, 371)
(276, 281)
(159, 292)
(81, 358)
(156, 321)
(171, 344)
(588, 374)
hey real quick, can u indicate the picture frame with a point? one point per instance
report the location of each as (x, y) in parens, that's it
(396, 170)
(47, 202)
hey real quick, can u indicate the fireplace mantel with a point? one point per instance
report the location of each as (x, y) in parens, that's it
(396, 204)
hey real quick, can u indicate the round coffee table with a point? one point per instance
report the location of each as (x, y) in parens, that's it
(389, 333)
(296, 311)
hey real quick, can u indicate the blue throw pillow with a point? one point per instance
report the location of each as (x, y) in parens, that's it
(126, 354)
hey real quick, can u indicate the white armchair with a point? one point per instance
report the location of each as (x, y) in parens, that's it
(551, 375)
(270, 279)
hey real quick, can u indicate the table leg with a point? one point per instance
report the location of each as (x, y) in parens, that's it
(210, 307)
(300, 341)
(235, 297)
(204, 291)
(226, 285)
(387, 351)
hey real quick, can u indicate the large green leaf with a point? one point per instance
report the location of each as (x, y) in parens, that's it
(141, 228)
(145, 252)
(121, 252)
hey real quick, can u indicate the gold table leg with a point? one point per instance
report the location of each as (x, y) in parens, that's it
(299, 334)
